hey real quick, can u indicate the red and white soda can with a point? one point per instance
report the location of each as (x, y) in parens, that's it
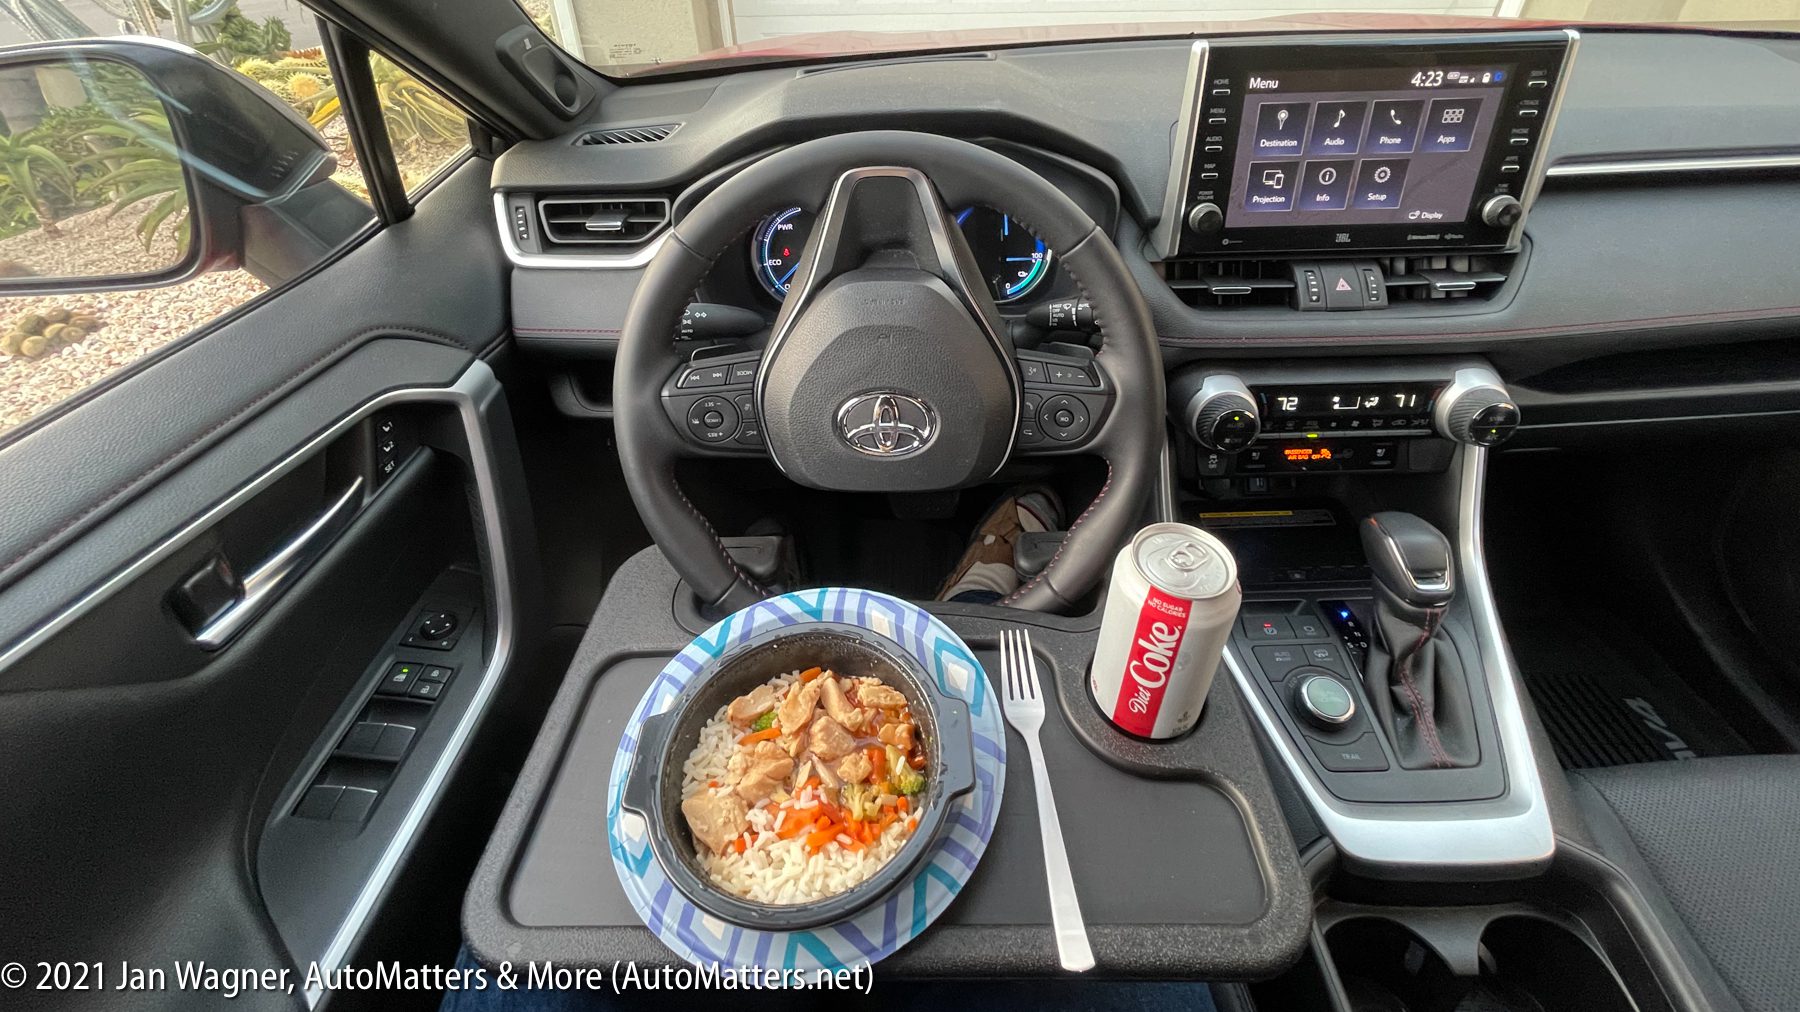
(1169, 611)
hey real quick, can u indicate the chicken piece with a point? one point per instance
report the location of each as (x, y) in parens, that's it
(715, 819)
(881, 697)
(736, 765)
(838, 706)
(802, 772)
(830, 741)
(746, 708)
(899, 735)
(856, 767)
(822, 770)
(766, 774)
(798, 707)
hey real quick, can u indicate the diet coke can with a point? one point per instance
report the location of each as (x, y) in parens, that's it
(1169, 611)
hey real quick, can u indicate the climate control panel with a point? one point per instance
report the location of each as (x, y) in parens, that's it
(1364, 416)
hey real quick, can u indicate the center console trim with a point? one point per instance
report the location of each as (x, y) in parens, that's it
(1508, 836)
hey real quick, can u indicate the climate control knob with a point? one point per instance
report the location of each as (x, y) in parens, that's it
(1502, 211)
(1222, 415)
(1476, 409)
(1205, 218)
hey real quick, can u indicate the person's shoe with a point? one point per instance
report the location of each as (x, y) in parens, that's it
(985, 573)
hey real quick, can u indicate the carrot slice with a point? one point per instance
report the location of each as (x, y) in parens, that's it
(817, 840)
(740, 844)
(903, 804)
(809, 674)
(767, 734)
(912, 824)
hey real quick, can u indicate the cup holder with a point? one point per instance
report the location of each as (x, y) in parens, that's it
(1542, 966)
(1522, 963)
(1386, 968)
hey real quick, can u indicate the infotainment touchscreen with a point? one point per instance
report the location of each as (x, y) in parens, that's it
(1362, 144)
(1341, 147)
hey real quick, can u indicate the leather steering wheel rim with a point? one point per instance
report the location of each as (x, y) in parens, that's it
(1129, 440)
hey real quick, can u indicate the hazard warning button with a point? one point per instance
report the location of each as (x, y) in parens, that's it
(1343, 285)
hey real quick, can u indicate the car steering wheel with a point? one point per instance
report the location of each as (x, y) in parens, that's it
(888, 368)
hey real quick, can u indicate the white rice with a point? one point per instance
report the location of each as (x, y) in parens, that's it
(773, 870)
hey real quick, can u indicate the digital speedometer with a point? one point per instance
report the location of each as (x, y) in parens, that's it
(1013, 261)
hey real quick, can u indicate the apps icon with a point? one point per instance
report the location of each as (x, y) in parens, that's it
(1450, 124)
(1270, 186)
(1337, 128)
(1281, 128)
(1325, 186)
(1393, 127)
(1379, 182)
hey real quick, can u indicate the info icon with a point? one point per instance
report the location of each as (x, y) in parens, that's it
(1325, 186)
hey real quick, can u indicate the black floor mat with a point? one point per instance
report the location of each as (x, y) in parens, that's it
(1603, 708)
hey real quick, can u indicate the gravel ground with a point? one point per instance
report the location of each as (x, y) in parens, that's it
(133, 324)
(92, 245)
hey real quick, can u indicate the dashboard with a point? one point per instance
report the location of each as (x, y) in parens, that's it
(1649, 179)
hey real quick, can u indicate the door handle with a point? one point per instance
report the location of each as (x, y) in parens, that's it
(266, 581)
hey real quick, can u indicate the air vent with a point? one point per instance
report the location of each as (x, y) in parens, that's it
(629, 135)
(602, 221)
(1235, 284)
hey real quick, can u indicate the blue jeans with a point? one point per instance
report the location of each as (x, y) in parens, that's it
(1057, 995)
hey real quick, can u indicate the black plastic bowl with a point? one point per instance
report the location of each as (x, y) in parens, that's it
(653, 787)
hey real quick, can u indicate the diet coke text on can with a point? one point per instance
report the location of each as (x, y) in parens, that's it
(1169, 610)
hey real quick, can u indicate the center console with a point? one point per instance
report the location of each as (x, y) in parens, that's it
(1368, 648)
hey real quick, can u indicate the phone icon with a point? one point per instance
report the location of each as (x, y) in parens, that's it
(1394, 114)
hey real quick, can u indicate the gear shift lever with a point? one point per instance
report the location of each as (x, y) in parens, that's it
(1415, 676)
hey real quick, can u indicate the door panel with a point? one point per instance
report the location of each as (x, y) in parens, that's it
(436, 277)
(155, 786)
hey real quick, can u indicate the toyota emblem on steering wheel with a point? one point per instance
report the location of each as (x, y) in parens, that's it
(886, 424)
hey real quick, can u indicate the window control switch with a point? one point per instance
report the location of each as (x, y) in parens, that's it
(427, 690)
(355, 804)
(394, 741)
(435, 673)
(361, 738)
(318, 801)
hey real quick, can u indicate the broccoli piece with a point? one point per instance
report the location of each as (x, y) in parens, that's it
(763, 723)
(909, 781)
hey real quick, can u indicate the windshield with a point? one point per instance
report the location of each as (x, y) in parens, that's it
(633, 37)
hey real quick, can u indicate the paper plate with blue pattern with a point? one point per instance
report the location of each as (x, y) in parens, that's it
(882, 928)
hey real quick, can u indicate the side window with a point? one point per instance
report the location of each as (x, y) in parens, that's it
(179, 222)
(426, 131)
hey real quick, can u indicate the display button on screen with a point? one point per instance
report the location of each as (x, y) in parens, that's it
(1450, 125)
(1271, 186)
(1393, 128)
(1325, 186)
(1337, 128)
(1379, 183)
(1280, 128)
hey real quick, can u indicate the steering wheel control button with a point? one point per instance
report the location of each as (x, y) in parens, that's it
(1063, 418)
(706, 376)
(1360, 756)
(1032, 371)
(1070, 376)
(1322, 699)
(712, 419)
(749, 433)
(743, 372)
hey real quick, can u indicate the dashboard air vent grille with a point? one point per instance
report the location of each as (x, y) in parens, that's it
(1236, 284)
(602, 221)
(629, 135)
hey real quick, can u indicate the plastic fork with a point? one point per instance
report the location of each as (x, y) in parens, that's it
(1025, 712)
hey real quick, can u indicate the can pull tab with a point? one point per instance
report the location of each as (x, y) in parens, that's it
(1186, 559)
